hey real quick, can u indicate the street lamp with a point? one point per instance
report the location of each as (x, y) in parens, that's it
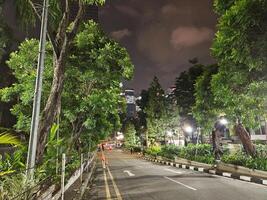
(188, 129)
(223, 121)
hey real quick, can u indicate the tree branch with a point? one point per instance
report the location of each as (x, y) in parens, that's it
(77, 20)
(49, 30)
(63, 25)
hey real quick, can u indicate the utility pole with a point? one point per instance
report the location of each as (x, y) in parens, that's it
(37, 96)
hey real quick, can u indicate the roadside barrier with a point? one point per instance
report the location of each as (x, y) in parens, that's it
(36, 191)
(213, 170)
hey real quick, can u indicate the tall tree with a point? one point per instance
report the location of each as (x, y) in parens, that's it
(205, 109)
(91, 95)
(156, 100)
(62, 29)
(155, 109)
(184, 89)
(240, 47)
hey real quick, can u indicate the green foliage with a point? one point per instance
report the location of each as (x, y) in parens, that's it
(23, 63)
(205, 109)
(240, 48)
(153, 150)
(240, 158)
(184, 89)
(94, 71)
(6, 138)
(15, 187)
(156, 103)
(130, 137)
(169, 151)
(200, 153)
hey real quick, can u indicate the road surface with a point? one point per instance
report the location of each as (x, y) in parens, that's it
(128, 177)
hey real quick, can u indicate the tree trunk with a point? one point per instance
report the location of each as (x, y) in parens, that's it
(216, 144)
(245, 139)
(147, 144)
(52, 104)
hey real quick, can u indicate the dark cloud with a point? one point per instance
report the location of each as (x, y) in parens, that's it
(161, 35)
(121, 34)
(190, 36)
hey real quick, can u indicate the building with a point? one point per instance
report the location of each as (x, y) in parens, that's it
(131, 103)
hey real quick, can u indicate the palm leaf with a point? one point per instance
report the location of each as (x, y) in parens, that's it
(6, 138)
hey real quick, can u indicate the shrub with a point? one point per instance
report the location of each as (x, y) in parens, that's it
(240, 158)
(169, 151)
(153, 150)
(199, 152)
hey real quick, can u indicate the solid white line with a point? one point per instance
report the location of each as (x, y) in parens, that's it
(187, 186)
(173, 171)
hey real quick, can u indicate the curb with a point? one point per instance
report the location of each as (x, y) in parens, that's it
(211, 171)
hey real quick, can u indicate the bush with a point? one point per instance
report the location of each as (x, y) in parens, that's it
(199, 152)
(153, 150)
(203, 153)
(241, 159)
(137, 149)
(169, 151)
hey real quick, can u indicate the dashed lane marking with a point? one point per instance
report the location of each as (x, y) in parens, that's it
(170, 170)
(187, 186)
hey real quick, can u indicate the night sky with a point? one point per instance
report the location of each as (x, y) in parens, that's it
(160, 35)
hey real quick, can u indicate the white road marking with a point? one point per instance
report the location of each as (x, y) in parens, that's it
(128, 172)
(187, 186)
(172, 171)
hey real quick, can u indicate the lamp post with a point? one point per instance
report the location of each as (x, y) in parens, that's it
(37, 96)
(188, 129)
(217, 135)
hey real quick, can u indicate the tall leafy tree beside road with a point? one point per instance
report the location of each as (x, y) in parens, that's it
(240, 47)
(205, 110)
(91, 95)
(155, 109)
(184, 89)
(62, 29)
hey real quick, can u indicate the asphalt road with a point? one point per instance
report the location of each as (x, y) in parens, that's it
(127, 177)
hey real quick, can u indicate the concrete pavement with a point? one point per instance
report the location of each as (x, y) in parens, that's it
(127, 177)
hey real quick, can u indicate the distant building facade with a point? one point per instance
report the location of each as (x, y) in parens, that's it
(131, 103)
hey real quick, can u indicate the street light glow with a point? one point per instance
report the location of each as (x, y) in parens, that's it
(223, 121)
(188, 129)
(169, 133)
